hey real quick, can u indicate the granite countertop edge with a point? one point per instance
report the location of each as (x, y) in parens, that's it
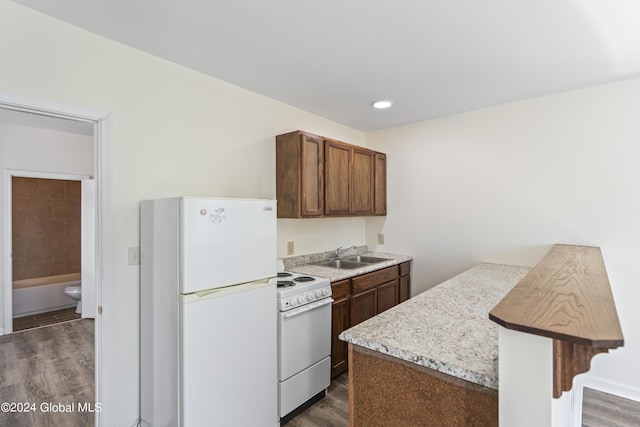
(444, 367)
(445, 328)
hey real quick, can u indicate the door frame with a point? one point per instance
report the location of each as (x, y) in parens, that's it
(104, 262)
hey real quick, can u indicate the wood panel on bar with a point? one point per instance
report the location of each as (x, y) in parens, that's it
(387, 391)
(566, 297)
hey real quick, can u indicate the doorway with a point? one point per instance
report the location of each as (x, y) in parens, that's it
(103, 263)
(52, 247)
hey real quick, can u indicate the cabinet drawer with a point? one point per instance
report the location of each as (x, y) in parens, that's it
(370, 280)
(405, 268)
(340, 289)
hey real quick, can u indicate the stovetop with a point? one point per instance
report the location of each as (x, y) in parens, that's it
(290, 283)
(296, 289)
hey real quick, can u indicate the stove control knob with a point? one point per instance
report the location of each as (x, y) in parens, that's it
(293, 302)
(310, 296)
(325, 292)
(300, 299)
(318, 293)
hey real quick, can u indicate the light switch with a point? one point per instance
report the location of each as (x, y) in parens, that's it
(289, 248)
(134, 256)
(380, 239)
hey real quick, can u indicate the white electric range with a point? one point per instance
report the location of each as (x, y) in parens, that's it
(304, 341)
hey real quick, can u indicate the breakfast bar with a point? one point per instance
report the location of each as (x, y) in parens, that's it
(432, 359)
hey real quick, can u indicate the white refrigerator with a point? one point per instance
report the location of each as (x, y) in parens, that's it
(208, 312)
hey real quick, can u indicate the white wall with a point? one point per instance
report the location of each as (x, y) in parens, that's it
(525, 370)
(319, 234)
(503, 184)
(175, 131)
(39, 150)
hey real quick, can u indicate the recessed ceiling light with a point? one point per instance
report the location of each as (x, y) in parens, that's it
(382, 104)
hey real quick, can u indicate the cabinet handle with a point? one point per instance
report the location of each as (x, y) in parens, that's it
(307, 307)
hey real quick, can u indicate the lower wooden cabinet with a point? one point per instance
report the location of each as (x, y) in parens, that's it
(363, 306)
(367, 304)
(373, 293)
(340, 292)
(404, 290)
(387, 296)
(360, 298)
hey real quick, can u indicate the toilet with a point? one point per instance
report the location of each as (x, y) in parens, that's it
(75, 292)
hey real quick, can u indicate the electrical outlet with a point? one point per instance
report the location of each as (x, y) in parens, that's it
(134, 256)
(289, 248)
(380, 238)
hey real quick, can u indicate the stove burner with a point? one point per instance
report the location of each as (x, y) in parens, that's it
(304, 279)
(284, 274)
(285, 283)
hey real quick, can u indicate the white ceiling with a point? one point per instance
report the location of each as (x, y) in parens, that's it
(334, 57)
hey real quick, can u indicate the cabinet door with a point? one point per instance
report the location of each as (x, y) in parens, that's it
(312, 166)
(339, 348)
(380, 184)
(337, 158)
(404, 291)
(405, 288)
(387, 296)
(363, 306)
(299, 175)
(362, 180)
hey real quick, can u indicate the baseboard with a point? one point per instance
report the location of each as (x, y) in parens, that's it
(44, 310)
(595, 383)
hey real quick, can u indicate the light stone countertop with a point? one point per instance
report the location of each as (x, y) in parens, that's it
(335, 274)
(447, 327)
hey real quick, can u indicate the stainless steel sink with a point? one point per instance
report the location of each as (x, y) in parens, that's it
(340, 263)
(365, 259)
(351, 262)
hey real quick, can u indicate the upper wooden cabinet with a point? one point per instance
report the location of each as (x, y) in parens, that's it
(299, 175)
(380, 184)
(317, 176)
(337, 157)
(362, 181)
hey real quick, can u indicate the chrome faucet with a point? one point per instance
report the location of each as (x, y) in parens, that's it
(340, 250)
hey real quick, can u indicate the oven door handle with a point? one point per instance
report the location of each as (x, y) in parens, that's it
(307, 307)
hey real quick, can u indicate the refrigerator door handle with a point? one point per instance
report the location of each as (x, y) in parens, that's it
(307, 307)
(220, 292)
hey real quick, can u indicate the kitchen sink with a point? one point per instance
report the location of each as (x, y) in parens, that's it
(350, 262)
(340, 263)
(365, 259)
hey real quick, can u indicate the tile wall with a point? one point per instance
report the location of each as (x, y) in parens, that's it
(45, 227)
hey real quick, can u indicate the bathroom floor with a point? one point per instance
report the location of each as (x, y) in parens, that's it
(45, 319)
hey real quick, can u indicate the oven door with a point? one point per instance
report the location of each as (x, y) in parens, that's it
(304, 337)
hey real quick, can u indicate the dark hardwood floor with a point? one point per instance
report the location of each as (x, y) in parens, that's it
(45, 367)
(44, 319)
